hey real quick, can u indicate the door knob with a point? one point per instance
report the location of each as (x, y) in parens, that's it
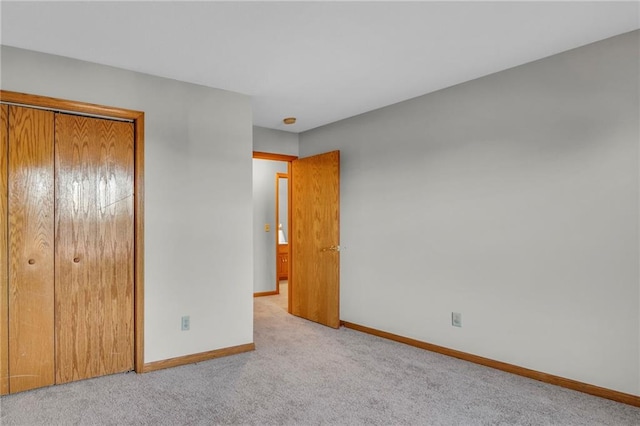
(332, 248)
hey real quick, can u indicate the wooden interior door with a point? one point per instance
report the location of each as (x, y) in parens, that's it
(315, 238)
(4, 217)
(31, 248)
(94, 247)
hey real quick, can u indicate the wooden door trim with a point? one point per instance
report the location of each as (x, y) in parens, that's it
(275, 157)
(31, 236)
(137, 117)
(64, 105)
(258, 155)
(4, 268)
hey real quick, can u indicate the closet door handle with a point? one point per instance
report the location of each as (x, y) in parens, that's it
(76, 260)
(31, 261)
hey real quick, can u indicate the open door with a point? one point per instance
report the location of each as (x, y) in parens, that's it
(315, 239)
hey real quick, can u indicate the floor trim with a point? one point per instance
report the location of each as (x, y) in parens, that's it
(266, 293)
(199, 357)
(622, 397)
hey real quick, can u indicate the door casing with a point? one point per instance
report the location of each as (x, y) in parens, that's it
(288, 159)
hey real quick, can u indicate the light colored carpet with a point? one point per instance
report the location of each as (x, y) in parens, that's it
(282, 299)
(306, 374)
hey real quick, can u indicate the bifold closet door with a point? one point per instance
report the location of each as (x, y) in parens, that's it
(31, 248)
(94, 231)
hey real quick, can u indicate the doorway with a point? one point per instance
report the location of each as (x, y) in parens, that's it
(271, 224)
(313, 241)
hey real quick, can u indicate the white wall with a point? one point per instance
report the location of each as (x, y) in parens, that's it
(264, 212)
(275, 141)
(198, 241)
(512, 199)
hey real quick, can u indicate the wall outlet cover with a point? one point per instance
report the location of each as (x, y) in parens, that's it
(456, 319)
(185, 323)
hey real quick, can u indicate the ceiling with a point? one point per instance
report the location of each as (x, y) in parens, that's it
(318, 61)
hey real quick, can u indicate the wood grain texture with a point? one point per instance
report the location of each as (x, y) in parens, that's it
(275, 157)
(139, 123)
(625, 398)
(290, 216)
(94, 247)
(199, 357)
(31, 249)
(4, 284)
(67, 105)
(282, 264)
(315, 270)
(139, 243)
(265, 293)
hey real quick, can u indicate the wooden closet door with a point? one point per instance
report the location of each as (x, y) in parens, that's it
(4, 217)
(94, 247)
(31, 204)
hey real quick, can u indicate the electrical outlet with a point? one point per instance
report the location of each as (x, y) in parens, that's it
(186, 323)
(456, 319)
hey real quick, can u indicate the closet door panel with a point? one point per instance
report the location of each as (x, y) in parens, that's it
(31, 248)
(94, 247)
(4, 302)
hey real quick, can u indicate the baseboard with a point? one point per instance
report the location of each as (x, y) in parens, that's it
(624, 398)
(266, 293)
(199, 357)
